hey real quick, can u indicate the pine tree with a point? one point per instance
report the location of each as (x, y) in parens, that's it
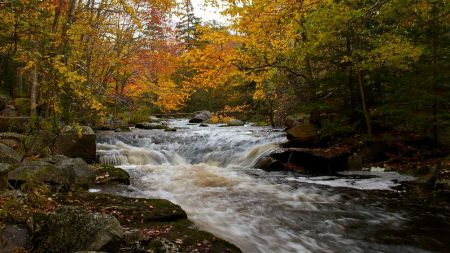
(187, 26)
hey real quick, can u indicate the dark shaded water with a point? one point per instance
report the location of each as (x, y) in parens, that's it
(209, 172)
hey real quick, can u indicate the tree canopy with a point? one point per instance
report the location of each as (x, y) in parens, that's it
(354, 65)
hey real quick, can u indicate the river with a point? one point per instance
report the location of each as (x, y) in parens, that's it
(209, 172)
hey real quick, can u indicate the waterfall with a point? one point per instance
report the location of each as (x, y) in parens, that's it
(210, 172)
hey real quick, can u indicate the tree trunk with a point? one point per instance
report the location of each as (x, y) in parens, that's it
(34, 91)
(364, 104)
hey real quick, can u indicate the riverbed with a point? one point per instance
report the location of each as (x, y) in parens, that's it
(209, 172)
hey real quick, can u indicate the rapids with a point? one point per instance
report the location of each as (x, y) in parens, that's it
(209, 172)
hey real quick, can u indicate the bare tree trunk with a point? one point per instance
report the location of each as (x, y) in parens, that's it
(364, 104)
(34, 91)
(19, 78)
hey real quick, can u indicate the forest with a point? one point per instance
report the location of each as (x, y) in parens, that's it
(99, 93)
(347, 66)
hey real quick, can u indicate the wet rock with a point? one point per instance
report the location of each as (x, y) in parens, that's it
(270, 164)
(200, 117)
(303, 135)
(170, 129)
(150, 126)
(108, 173)
(14, 238)
(312, 161)
(203, 125)
(235, 122)
(8, 155)
(76, 142)
(122, 129)
(59, 170)
(71, 229)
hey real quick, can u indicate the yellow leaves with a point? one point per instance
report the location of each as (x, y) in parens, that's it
(170, 97)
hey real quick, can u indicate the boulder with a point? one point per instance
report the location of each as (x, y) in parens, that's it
(312, 161)
(14, 238)
(149, 126)
(8, 155)
(303, 135)
(4, 169)
(72, 229)
(108, 173)
(39, 143)
(270, 164)
(202, 116)
(76, 142)
(235, 122)
(59, 170)
(12, 123)
(12, 140)
(293, 120)
(203, 125)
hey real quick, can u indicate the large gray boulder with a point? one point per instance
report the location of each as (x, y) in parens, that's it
(14, 239)
(76, 142)
(59, 170)
(8, 155)
(72, 229)
(200, 117)
(235, 122)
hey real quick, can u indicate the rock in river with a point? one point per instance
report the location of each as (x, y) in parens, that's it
(201, 117)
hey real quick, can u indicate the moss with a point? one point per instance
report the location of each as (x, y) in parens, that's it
(163, 223)
(23, 105)
(109, 173)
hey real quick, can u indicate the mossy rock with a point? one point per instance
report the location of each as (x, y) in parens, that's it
(71, 229)
(108, 173)
(23, 105)
(150, 126)
(158, 222)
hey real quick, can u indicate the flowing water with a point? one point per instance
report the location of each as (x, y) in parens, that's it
(209, 172)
